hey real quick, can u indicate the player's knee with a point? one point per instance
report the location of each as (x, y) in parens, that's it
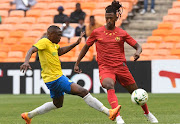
(108, 86)
(84, 92)
(58, 105)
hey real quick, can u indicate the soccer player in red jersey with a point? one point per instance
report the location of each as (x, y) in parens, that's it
(109, 41)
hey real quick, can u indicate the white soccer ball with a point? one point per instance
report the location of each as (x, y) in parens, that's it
(139, 96)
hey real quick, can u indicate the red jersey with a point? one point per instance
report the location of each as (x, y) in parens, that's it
(110, 45)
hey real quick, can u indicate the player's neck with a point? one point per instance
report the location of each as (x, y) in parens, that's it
(109, 28)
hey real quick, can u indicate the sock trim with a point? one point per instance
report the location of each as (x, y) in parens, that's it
(86, 96)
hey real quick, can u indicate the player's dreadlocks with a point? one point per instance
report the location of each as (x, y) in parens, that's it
(115, 7)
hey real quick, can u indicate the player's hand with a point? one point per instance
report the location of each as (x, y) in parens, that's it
(82, 34)
(77, 70)
(136, 56)
(24, 67)
(79, 40)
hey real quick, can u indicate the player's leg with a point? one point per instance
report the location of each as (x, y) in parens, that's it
(46, 107)
(129, 83)
(107, 79)
(108, 83)
(126, 79)
(72, 88)
(57, 102)
(92, 101)
(148, 114)
(130, 88)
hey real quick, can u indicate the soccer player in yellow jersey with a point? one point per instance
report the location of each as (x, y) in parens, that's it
(49, 52)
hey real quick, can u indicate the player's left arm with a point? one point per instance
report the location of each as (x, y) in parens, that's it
(138, 51)
(66, 49)
(135, 45)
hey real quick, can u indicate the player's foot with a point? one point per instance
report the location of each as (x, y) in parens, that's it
(114, 112)
(151, 117)
(26, 118)
(119, 120)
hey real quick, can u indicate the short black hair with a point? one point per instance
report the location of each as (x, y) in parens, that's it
(114, 8)
(52, 28)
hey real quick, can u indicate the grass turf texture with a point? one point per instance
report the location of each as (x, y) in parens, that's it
(166, 107)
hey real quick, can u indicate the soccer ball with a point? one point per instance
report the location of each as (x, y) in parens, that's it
(139, 97)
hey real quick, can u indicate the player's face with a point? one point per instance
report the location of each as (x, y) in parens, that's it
(56, 36)
(110, 20)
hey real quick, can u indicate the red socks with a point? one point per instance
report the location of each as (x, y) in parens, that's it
(112, 98)
(113, 101)
(145, 108)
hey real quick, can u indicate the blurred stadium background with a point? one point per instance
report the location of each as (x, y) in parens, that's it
(157, 33)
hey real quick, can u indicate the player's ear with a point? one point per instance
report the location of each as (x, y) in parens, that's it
(116, 18)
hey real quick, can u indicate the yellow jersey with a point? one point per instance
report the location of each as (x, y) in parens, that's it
(49, 60)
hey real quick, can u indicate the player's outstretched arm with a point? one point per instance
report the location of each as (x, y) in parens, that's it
(26, 65)
(81, 55)
(138, 51)
(66, 49)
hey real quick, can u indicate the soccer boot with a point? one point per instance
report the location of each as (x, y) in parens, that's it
(26, 118)
(114, 112)
(119, 120)
(151, 117)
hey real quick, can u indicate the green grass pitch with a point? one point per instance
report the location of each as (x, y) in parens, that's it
(166, 107)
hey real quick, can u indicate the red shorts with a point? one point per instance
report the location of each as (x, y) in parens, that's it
(120, 73)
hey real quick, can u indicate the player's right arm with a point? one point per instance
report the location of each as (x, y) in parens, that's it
(81, 55)
(26, 65)
(89, 43)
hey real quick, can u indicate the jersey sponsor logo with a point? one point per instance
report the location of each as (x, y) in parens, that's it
(54, 53)
(117, 38)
